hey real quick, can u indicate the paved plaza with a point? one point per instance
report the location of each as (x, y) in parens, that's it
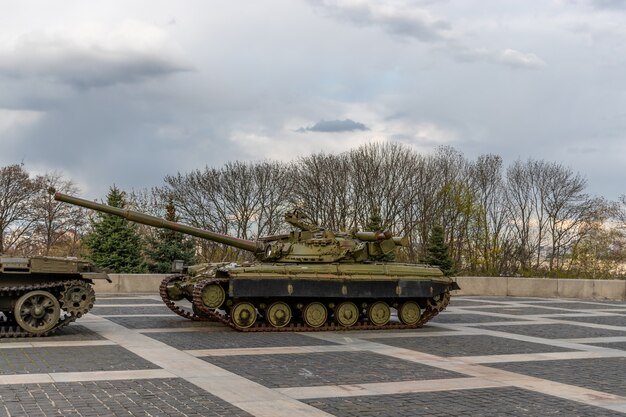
(484, 356)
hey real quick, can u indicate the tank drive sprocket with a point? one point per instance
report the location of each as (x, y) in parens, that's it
(77, 298)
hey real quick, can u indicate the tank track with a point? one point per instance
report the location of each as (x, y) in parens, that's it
(432, 309)
(190, 315)
(13, 330)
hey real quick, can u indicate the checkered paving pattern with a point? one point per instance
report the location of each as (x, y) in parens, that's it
(489, 356)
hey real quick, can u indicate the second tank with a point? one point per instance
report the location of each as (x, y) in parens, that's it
(310, 279)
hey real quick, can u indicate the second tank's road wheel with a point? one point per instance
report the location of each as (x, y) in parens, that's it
(409, 312)
(37, 312)
(346, 313)
(78, 298)
(379, 313)
(278, 314)
(213, 296)
(243, 314)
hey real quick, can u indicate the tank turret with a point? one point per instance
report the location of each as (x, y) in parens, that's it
(310, 244)
(308, 279)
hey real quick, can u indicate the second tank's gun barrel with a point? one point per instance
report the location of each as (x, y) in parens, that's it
(137, 217)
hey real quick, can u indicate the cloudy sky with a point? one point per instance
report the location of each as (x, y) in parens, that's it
(126, 92)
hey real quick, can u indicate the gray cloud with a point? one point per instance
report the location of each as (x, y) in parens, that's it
(403, 20)
(67, 59)
(334, 126)
(508, 57)
(411, 22)
(609, 4)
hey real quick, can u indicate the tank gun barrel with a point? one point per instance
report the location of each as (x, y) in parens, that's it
(378, 236)
(137, 217)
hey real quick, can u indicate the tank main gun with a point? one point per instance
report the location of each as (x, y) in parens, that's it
(310, 244)
(137, 217)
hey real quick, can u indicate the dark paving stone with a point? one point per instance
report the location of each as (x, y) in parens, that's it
(609, 320)
(555, 331)
(173, 321)
(613, 345)
(494, 402)
(103, 311)
(232, 339)
(467, 345)
(106, 301)
(69, 359)
(463, 318)
(604, 374)
(314, 369)
(154, 397)
(73, 332)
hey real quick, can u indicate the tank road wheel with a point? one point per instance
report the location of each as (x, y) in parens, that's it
(346, 314)
(78, 298)
(409, 313)
(278, 314)
(315, 314)
(243, 314)
(213, 296)
(379, 313)
(37, 312)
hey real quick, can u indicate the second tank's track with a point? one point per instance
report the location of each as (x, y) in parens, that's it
(9, 329)
(431, 310)
(171, 304)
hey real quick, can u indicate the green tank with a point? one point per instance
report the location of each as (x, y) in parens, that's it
(308, 279)
(39, 295)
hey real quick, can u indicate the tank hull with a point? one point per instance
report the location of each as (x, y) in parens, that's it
(278, 297)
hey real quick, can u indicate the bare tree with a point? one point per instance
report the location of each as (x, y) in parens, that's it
(487, 235)
(274, 183)
(17, 191)
(57, 223)
(323, 190)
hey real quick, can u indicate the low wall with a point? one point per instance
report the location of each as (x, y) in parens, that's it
(493, 286)
(130, 284)
(543, 287)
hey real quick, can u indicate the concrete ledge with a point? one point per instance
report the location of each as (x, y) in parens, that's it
(488, 286)
(543, 287)
(532, 287)
(482, 286)
(130, 284)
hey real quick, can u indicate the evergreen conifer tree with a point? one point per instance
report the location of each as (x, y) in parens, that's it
(375, 224)
(437, 251)
(113, 242)
(168, 246)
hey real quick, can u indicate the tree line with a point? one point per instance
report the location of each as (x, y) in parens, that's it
(530, 218)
